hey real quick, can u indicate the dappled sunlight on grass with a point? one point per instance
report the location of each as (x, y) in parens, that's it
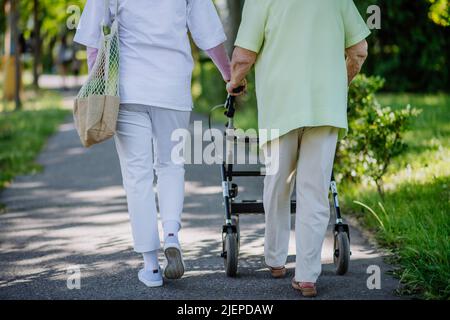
(427, 167)
(432, 126)
(23, 132)
(416, 226)
(413, 217)
(34, 100)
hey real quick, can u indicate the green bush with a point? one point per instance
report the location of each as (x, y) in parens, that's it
(375, 134)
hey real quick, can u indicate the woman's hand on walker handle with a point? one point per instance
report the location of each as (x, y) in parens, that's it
(237, 89)
(241, 64)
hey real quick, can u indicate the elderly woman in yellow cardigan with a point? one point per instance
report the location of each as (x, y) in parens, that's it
(306, 54)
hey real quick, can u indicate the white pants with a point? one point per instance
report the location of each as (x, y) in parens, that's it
(306, 157)
(139, 130)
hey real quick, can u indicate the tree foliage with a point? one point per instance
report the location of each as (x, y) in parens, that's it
(52, 19)
(412, 49)
(440, 12)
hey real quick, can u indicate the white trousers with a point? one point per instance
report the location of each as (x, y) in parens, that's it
(306, 157)
(140, 130)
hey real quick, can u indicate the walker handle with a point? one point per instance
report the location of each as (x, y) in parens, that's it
(230, 103)
(239, 89)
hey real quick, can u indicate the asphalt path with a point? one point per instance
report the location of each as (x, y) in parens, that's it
(73, 216)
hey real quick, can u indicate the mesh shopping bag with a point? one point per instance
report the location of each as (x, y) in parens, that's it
(97, 104)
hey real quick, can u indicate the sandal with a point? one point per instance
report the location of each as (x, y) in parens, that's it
(307, 289)
(277, 273)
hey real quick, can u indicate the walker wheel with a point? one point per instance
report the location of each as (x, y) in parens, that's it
(231, 252)
(341, 252)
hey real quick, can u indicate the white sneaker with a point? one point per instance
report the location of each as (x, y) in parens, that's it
(175, 267)
(151, 279)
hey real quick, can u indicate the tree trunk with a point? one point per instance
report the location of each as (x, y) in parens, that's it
(16, 35)
(234, 21)
(380, 188)
(37, 44)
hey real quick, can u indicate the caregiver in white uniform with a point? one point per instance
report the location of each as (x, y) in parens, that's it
(155, 90)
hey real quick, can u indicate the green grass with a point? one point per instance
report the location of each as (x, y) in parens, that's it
(413, 219)
(23, 133)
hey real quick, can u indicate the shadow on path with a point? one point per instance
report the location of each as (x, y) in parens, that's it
(74, 214)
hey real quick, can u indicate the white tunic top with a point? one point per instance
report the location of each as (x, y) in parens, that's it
(155, 54)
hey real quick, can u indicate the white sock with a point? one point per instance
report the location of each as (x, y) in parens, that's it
(151, 261)
(171, 229)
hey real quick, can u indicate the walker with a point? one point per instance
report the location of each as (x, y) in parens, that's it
(234, 208)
